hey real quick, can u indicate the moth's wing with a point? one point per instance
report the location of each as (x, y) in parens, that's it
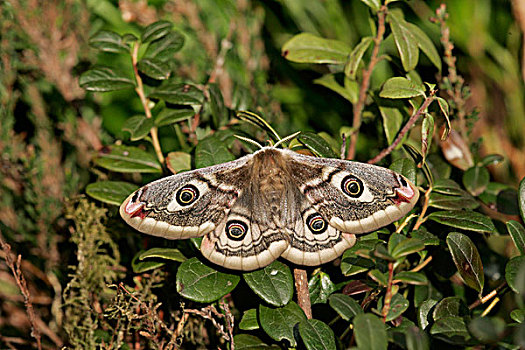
(314, 241)
(189, 204)
(247, 238)
(354, 197)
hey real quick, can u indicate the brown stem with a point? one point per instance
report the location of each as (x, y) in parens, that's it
(139, 89)
(421, 219)
(365, 84)
(22, 285)
(303, 294)
(388, 295)
(488, 296)
(405, 129)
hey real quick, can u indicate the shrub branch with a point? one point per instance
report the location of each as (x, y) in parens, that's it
(139, 89)
(22, 285)
(365, 84)
(413, 119)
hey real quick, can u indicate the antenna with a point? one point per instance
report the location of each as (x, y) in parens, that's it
(253, 142)
(287, 138)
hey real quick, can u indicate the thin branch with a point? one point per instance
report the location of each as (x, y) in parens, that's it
(303, 294)
(421, 219)
(388, 295)
(22, 285)
(488, 296)
(365, 84)
(405, 129)
(139, 89)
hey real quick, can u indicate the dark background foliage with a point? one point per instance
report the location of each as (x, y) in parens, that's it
(78, 132)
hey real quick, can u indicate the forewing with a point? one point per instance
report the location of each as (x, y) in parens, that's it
(354, 197)
(189, 204)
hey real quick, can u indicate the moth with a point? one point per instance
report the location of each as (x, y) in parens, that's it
(269, 204)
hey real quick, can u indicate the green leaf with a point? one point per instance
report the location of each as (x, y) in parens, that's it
(316, 144)
(456, 202)
(491, 159)
(126, 159)
(201, 283)
(476, 180)
(103, 79)
(405, 167)
(168, 116)
(464, 219)
(249, 320)
(345, 306)
(316, 335)
(375, 5)
(406, 247)
(392, 121)
(211, 151)
(487, 329)
(156, 31)
(447, 186)
(163, 253)
(356, 56)
(178, 93)
(518, 315)
(143, 266)
(400, 87)
(178, 161)
(108, 41)
(165, 48)
(425, 236)
(273, 284)
(521, 197)
(320, 287)
(351, 263)
(515, 274)
(517, 232)
(423, 313)
(370, 332)
(279, 323)
(154, 68)
(110, 192)
(450, 306)
(406, 42)
(309, 48)
(380, 277)
(250, 342)
(443, 106)
(138, 126)
(425, 44)
(398, 305)
(451, 329)
(467, 260)
(415, 278)
(416, 339)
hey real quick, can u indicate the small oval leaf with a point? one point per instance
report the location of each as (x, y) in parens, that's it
(309, 48)
(274, 283)
(126, 159)
(400, 87)
(163, 253)
(316, 335)
(317, 144)
(279, 323)
(156, 31)
(103, 79)
(467, 260)
(370, 332)
(464, 219)
(201, 283)
(110, 192)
